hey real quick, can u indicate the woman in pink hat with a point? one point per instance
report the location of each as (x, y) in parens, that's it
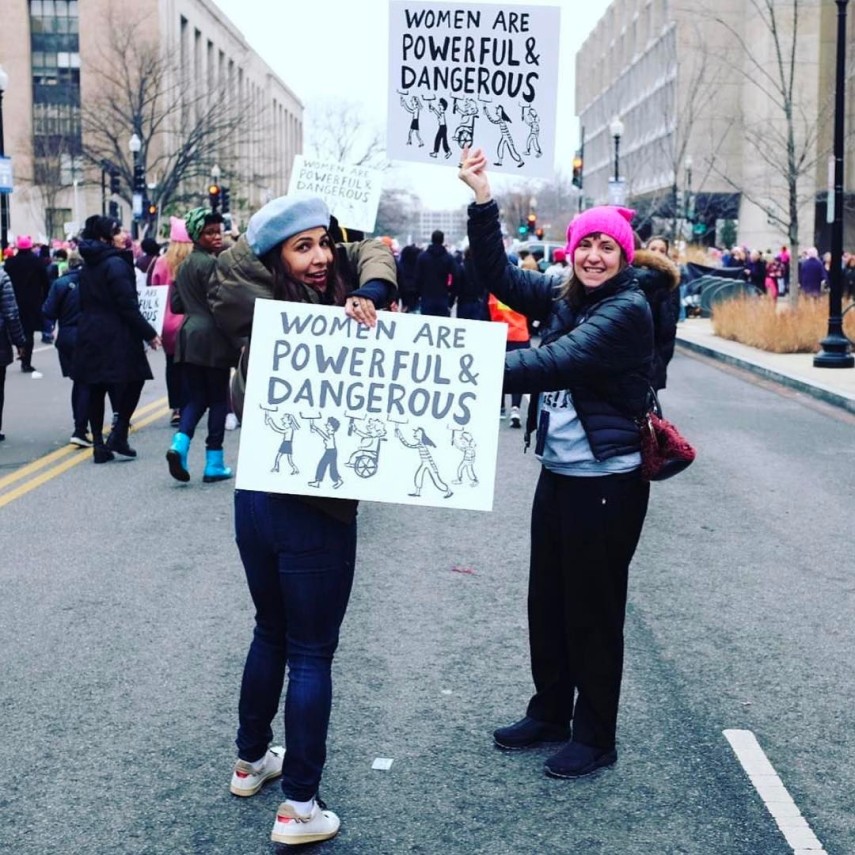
(163, 272)
(589, 382)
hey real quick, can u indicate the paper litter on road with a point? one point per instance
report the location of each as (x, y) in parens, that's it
(382, 763)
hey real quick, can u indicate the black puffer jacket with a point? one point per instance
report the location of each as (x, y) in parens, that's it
(659, 279)
(601, 351)
(110, 330)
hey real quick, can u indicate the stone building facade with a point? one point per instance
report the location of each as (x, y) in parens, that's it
(60, 57)
(703, 128)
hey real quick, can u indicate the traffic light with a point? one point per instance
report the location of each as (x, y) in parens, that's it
(538, 233)
(226, 202)
(115, 183)
(577, 170)
(139, 177)
(532, 222)
(214, 192)
(151, 210)
(523, 229)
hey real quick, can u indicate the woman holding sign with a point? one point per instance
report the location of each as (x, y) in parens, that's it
(589, 381)
(298, 552)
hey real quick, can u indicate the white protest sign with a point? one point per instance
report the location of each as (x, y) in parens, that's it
(351, 192)
(484, 74)
(153, 304)
(404, 412)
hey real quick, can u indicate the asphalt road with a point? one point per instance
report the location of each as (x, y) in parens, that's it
(124, 622)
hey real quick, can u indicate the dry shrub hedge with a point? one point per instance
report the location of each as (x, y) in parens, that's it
(777, 327)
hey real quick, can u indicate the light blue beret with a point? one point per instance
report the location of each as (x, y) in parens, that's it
(282, 218)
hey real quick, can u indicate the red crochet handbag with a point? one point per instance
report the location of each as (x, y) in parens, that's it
(665, 452)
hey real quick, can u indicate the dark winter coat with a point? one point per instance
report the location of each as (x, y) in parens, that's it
(63, 305)
(111, 330)
(600, 351)
(11, 329)
(30, 281)
(659, 279)
(199, 340)
(436, 270)
(812, 276)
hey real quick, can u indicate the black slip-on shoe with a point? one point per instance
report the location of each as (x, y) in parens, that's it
(529, 731)
(576, 760)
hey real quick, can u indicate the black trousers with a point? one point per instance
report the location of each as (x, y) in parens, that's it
(2, 393)
(584, 532)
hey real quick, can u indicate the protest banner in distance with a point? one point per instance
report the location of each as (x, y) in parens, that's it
(352, 193)
(404, 412)
(467, 74)
(152, 301)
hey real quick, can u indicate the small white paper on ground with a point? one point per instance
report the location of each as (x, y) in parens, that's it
(382, 763)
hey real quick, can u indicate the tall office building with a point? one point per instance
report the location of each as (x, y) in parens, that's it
(204, 100)
(701, 127)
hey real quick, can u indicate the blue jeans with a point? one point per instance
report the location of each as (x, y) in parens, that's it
(299, 567)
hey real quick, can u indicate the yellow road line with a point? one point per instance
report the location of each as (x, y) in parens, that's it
(78, 455)
(65, 451)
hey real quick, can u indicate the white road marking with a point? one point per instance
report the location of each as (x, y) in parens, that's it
(382, 763)
(771, 788)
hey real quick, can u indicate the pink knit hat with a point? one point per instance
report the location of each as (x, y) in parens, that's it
(24, 242)
(608, 220)
(178, 230)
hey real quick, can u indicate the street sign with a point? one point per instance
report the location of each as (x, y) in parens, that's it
(6, 175)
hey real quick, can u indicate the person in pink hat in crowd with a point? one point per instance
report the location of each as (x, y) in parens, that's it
(163, 272)
(589, 381)
(31, 283)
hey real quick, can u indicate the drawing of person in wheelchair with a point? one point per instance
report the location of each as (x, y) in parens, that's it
(464, 133)
(364, 460)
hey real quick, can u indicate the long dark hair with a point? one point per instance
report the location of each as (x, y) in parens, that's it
(286, 287)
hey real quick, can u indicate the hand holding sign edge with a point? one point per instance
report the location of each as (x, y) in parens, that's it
(473, 173)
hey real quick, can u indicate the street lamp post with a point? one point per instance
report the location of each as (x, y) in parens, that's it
(616, 130)
(135, 146)
(4, 197)
(835, 352)
(687, 163)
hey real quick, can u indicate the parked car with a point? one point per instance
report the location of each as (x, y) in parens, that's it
(547, 247)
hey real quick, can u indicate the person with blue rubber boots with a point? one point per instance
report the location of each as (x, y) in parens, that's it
(204, 352)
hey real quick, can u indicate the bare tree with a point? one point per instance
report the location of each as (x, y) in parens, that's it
(183, 129)
(338, 131)
(397, 213)
(54, 170)
(787, 142)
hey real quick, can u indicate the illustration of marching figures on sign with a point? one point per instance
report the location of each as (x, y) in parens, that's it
(337, 409)
(463, 441)
(423, 443)
(482, 60)
(286, 427)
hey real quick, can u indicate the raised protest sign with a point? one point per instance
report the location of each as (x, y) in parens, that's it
(403, 412)
(351, 192)
(481, 75)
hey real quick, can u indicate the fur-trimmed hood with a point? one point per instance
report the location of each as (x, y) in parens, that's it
(661, 264)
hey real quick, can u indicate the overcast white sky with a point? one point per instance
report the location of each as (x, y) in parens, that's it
(321, 50)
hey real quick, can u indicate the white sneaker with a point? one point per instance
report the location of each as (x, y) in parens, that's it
(249, 778)
(36, 375)
(291, 828)
(231, 422)
(515, 417)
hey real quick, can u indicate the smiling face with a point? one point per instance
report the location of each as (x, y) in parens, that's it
(308, 257)
(597, 259)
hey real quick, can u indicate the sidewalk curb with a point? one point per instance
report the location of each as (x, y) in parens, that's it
(818, 392)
